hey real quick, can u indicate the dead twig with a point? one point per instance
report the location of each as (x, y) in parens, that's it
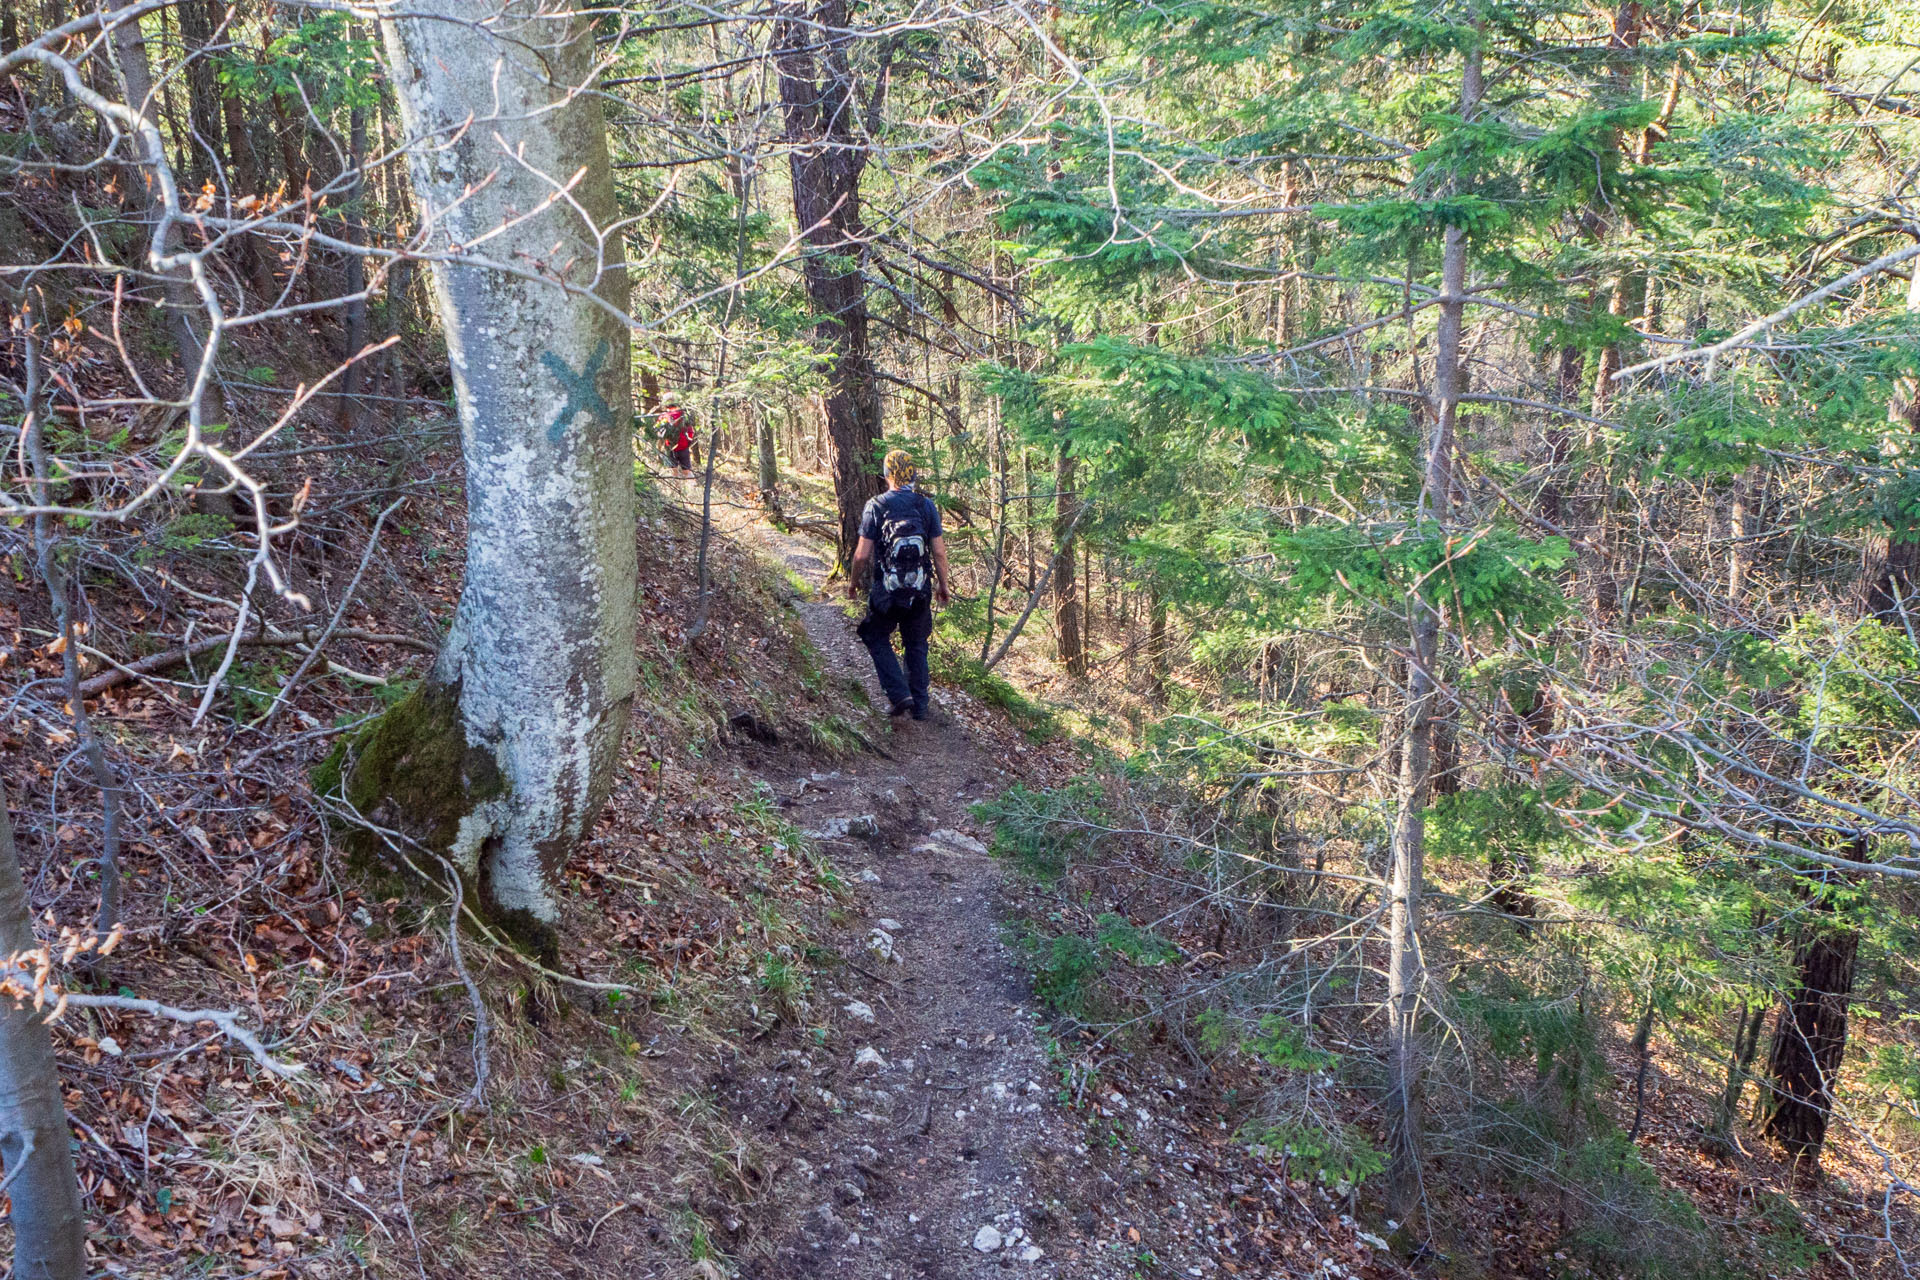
(333, 623)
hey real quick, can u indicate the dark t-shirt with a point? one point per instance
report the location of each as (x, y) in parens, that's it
(897, 502)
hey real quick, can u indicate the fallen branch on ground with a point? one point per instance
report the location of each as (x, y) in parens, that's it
(227, 1020)
(28, 976)
(122, 672)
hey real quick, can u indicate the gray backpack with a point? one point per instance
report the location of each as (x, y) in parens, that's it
(904, 577)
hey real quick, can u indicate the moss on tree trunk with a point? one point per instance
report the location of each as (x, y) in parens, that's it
(412, 771)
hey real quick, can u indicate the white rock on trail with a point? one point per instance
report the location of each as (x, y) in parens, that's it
(870, 1059)
(868, 876)
(891, 926)
(987, 1239)
(1032, 1253)
(860, 1011)
(861, 826)
(880, 944)
(958, 840)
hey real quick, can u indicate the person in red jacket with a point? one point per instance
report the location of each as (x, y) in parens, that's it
(676, 428)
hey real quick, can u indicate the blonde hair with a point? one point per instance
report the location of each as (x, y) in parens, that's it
(900, 468)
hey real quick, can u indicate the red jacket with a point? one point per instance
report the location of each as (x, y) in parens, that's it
(674, 419)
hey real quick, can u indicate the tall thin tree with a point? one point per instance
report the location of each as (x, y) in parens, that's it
(828, 135)
(1406, 965)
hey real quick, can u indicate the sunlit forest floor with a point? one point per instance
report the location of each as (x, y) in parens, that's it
(701, 1107)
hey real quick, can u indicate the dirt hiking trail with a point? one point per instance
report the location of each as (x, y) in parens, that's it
(933, 1114)
(931, 1137)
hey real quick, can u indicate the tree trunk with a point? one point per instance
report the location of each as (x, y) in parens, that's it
(1406, 967)
(150, 177)
(1809, 1042)
(204, 113)
(353, 228)
(1066, 600)
(1003, 516)
(1891, 565)
(1157, 646)
(399, 324)
(1740, 1056)
(1810, 1036)
(504, 758)
(1642, 1050)
(49, 1235)
(769, 467)
(244, 178)
(1406, 962)
(1552, 501)
(1749, 492)
(828, 154)
(1446, 765)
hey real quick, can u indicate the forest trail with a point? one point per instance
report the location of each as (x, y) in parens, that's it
(956, 1150)
(946, 1142)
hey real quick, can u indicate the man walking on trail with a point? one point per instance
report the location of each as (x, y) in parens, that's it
(901, 542)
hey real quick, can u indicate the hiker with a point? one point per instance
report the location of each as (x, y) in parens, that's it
(676, 429)
(901, 542)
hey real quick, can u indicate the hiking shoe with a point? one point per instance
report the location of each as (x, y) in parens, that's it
(899, 709)
(921, 713)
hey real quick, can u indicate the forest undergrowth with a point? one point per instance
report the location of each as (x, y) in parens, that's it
(1429, 506)
(380, 1129)
(1183, 915)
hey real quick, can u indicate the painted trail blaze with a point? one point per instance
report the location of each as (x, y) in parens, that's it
(583, 395)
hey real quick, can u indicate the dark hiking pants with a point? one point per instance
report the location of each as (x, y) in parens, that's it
(915, 625)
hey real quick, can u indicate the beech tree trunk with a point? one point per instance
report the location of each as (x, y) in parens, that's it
(503, 760)
(828, 154)
(1066, 600)
(49, 1235)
